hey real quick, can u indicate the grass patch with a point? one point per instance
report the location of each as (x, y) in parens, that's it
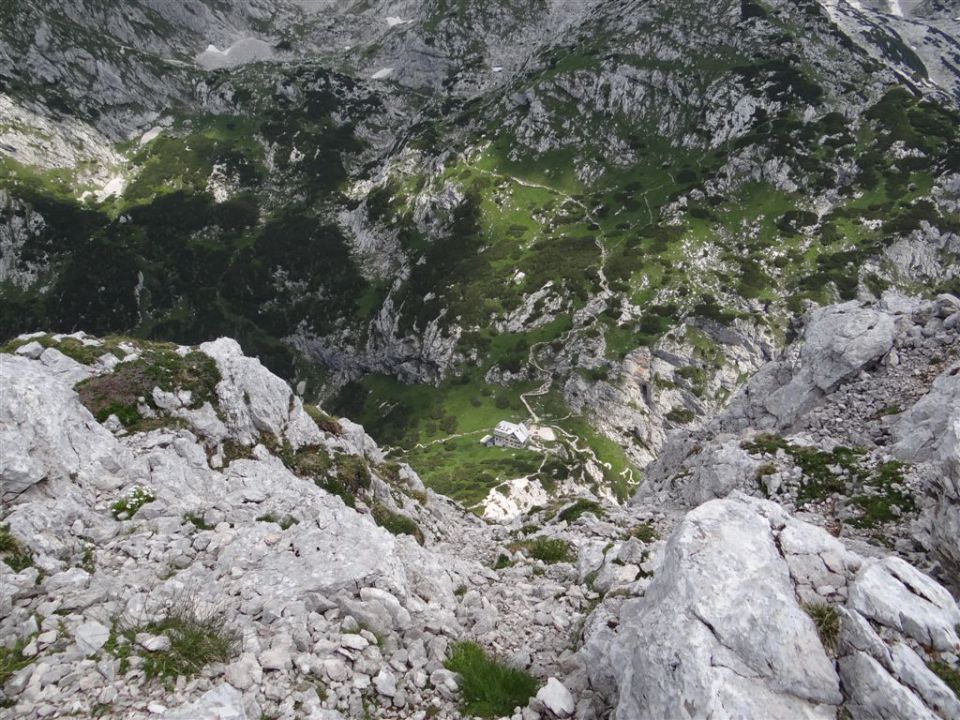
(949, 675)
(490, 688)
(71, 347)
(547, 550)
(827, 622)
(395, 523)
(581, 506)
(12, 660)
(873, 491)
(131, 384)
(13, 552)
(325, 422)
(286, 522)
(197, 639)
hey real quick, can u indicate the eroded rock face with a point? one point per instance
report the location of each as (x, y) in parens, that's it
(838, 342)
(869, 440)
(723, 622)
(736, 649)
(929, 434)
(254, 400)
(44, 434)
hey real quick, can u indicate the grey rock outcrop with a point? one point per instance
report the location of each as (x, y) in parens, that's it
(838, 342)
(856, 425)
(44, 434)
(928, 433)
(752, 649)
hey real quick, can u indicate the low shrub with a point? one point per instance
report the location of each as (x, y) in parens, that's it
(581, 506)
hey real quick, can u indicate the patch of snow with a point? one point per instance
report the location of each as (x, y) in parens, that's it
(150, 135)
(513, 498)
(115, 187)
(393, 21)
(246, 50)
(382, 74)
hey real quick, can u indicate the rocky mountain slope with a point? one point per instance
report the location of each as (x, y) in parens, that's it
(157, 492)
(708, 250)
(612, 211)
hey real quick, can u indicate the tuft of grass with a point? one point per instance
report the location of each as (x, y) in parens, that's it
(196, 519)
(581, 506)
(827, 622)
(490, 688)
(327, 423)
(197, 639)
(88, 560)
(12, 660)
(644, 532)
(681, 416)
(126, 507)
(548, 550)
(286, 522)
(949, 675)
(395, 523)
(503, 561)
(13, 552)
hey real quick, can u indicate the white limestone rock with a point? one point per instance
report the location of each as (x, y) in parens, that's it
(837, 343)
(740, 649)
(220, 703)
(91, 636)
(253, 400)
(895, 594)
(557, 698)
(45, 433)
